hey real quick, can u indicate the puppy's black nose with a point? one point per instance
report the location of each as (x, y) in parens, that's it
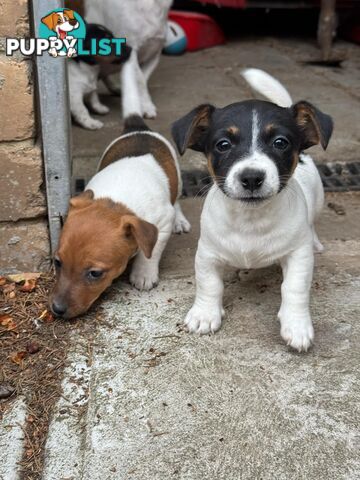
(58, 308)
(252, 179)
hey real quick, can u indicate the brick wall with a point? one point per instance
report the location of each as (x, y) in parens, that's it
(24, 241)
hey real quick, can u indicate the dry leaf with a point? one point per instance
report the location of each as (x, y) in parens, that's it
(23, 277)
(2, 281)
(46, 316)
(12, 294)
(32, 347)
(29, 285)
(7, 322)
(18, 357)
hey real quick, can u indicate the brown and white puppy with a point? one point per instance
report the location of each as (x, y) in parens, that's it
(62, 23)
(266, 196)
(129, 209)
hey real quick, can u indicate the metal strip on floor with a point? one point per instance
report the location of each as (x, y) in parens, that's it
(336, 177)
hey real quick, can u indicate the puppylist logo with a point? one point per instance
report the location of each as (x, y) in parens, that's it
(62, 33)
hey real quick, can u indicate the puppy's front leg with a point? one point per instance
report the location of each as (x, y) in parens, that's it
(81, 113)
(206, 313)
(145, 271)
(294, 314)
(96, 105)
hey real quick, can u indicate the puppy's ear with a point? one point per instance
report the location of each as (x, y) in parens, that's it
(82, 200)
(145, 233)
(70, 13)
(316, 126)
(191, 130)
(50, 20)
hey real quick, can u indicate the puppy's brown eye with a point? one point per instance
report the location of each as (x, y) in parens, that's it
(280, 143)
(59, 21)
(95, 274)
(223, 145)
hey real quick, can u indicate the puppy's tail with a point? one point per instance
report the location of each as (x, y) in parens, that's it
(135, 123)
(267, 86)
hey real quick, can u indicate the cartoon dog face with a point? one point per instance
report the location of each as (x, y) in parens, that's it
(61, 22)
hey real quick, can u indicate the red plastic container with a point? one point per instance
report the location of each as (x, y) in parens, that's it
(201, 30)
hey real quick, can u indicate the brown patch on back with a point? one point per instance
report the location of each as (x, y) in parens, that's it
(142, 144)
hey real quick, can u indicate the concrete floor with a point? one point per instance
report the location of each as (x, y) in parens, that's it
(164, 404)
(144, 399)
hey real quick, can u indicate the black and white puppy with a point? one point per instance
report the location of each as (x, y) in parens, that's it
(84, 73)
(266, 196)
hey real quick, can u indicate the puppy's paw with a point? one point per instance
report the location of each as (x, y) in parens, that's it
(298, 334)
(181, 225)
(92, 124)
(202, 321)
(101, 109)
(149, 110)
(144, 279)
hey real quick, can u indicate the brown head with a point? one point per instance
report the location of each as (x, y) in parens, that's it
(96, 244)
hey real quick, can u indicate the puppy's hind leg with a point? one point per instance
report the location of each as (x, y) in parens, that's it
(81, 113)
(181, 225)
(96, 105)
(318, 246)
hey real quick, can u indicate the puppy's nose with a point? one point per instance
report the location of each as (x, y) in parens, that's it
(252, 179)
(58, 308)
(73, 22)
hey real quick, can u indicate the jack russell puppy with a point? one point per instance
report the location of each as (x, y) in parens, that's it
(84, 73)
(266, 196)
(129, 209)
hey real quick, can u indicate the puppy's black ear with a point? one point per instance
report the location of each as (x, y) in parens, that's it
(316, 126)
(191, 130)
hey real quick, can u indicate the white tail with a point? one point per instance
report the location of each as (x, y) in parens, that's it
(267, 86)
(131, 101)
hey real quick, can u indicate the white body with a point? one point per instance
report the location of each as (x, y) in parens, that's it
(143, 24)
(83, 81)
(243, 236)
(142, 185)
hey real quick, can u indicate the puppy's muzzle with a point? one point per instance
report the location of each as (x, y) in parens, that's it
(58, 308)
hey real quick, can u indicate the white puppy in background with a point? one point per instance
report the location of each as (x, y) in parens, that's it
(264, 201)
(143, 24)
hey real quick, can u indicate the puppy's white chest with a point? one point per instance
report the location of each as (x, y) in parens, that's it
(250, 250)
(246, 238)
